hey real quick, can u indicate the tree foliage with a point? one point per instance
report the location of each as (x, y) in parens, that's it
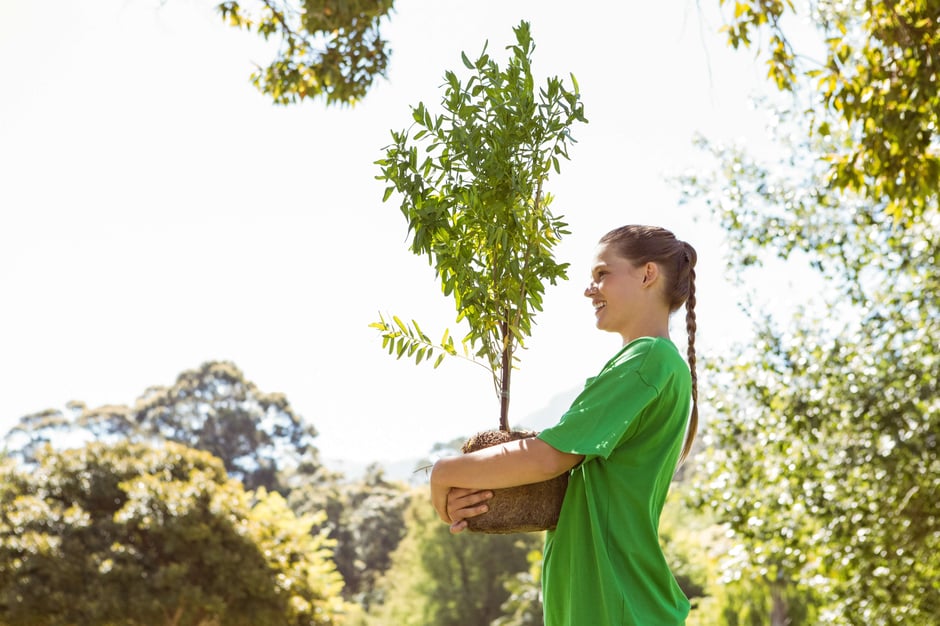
(879, 83)
(366, 520)
(34, 432)
(823, 454)
(261, 441)
(214, 408)
(695, 546)
(133, 534)
(447, 580)
(328, 49)
(842, 400)
(523, 607)
(475, 203)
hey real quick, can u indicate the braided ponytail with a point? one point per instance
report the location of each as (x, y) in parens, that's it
(690, 327)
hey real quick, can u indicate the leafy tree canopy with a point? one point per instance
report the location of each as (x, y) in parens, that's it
(366, 519)
(523, 607)
(879, 83)
(822, 455)
(134, 534)
(214, 408)
(447, 580)
(328, 49)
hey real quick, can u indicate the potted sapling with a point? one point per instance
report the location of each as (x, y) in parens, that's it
(472, 187)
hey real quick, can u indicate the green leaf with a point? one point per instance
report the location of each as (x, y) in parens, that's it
(400, 324)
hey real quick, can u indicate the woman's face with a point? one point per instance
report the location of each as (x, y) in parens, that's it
(616, 285)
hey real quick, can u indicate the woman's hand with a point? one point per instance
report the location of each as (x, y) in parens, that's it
(455, 504)
(463, 504)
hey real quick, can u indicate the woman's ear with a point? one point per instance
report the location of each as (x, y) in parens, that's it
(650, 273)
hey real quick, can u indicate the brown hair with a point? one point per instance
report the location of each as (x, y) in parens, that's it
(676, 260)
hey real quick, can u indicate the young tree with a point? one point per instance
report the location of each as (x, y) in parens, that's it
(476, 205)
(137, 535)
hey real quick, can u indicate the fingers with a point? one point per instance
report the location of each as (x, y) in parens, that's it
(458, 497)
(464, 503)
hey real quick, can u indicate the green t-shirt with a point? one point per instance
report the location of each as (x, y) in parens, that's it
(603, 563)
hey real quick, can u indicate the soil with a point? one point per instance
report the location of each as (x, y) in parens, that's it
(527, 508)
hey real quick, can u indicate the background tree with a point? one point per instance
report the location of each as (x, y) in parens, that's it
(32, 433)
(840, 398)
(822, 456)
(365, 519)
(133, 534)
(327, 49)
(523, 607)
(695, 546)
(476, 205)
(72, 427)
(447, 580)
(879, 84)
(215, 408)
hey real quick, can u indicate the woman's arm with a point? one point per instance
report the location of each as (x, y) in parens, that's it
(513, 463)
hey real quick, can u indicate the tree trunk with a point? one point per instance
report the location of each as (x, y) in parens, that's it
(173, 620)
(504, 382)
(779, 613)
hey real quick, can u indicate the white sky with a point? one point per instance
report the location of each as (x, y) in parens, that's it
(157, 212)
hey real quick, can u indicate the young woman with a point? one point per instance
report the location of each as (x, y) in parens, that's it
(621, 440)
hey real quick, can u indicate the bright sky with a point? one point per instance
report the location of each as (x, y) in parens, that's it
(157, 212)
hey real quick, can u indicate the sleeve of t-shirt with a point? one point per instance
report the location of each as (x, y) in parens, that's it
(603, 414)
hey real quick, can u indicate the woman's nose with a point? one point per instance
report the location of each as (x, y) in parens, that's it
(590, 291)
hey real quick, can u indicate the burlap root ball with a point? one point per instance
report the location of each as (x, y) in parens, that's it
(523, 509)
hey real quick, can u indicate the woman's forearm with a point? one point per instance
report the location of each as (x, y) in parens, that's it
(510, 464)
